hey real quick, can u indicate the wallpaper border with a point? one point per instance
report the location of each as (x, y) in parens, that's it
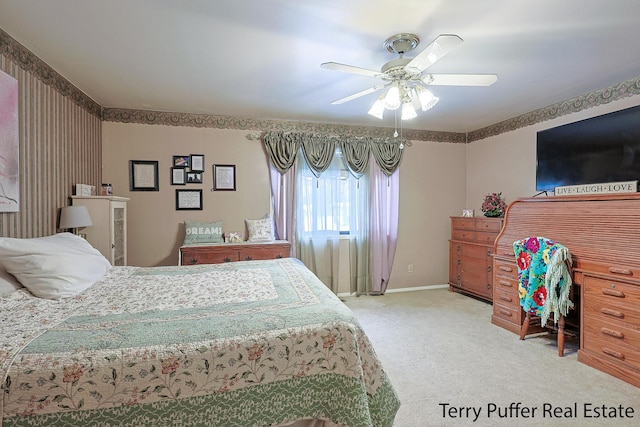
(591, 99)
(263, 125)
(29, 62)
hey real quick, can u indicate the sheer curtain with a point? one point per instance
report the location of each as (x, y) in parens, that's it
(385, 201)
(318, 220)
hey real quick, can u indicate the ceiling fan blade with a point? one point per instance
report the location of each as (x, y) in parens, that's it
(357, 95)
(350, 69)
(460, 79)
(438, 48)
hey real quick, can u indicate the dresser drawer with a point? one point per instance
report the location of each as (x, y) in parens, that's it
(506, 269)
(191, 257)
(467, 235)
(462, 223)
(263, 253)
(506, 284)
(613, 340)
(493, 226)
(484, 237)
(611, 300)
(506, 298)
(506, 312)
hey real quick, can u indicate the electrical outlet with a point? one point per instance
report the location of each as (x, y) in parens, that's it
(410, 268)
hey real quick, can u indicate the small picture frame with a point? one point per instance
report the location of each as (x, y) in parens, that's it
(224, 177)
(196, 163)
(180, 161)
(178, 176)
(467, 213)
(194, 177)
(143, 175)
(188, 200)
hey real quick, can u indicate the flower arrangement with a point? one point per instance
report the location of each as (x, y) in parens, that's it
(494, 205)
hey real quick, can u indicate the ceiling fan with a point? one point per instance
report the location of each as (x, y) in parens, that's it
(404, 78)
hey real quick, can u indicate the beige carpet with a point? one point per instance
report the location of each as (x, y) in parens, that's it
(440, 347)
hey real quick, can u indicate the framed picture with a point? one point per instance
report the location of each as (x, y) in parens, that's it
(197, 163)
(224, 177)
(188, 200)
(467, 212)
(180, 161)
(143, 175)
(194, 177)
(178, 176)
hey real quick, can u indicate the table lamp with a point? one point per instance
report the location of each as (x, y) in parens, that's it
(74, 217)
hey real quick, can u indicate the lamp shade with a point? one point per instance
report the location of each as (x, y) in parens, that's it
(74, 217)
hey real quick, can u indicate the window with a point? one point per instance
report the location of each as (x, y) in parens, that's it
(327, 204)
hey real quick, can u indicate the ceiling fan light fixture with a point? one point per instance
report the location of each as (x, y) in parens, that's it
(377, 109)
(427, 99)
(392, 98)
(408, 112)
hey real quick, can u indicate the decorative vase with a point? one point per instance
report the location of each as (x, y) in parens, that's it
(493, 214)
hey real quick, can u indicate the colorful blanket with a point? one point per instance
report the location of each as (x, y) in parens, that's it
(240, 344)
(544, 279)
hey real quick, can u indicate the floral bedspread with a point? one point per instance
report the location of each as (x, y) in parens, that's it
(239, 344)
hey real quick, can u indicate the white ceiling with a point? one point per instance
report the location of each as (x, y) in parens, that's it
(261, 59)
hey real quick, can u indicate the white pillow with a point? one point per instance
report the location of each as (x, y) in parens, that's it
(53, 267)
(260, 230)
(8, 283)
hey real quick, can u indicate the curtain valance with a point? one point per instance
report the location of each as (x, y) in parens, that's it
(282, 149)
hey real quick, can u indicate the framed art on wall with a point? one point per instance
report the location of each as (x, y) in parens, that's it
(224, 177)
(188, 200)
(178, 176)
(197, 163)
(180, 161)
(9, 145)
(194, 177)
(143, 175)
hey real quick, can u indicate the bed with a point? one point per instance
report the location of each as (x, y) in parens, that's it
(240, 344)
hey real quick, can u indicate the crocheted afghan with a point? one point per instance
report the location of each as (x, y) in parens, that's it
(544, 279)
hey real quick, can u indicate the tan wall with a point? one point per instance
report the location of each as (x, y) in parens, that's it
(507, 162)
(156, 228)
(432, 185)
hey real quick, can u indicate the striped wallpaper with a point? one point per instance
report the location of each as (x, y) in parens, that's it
(60, 145)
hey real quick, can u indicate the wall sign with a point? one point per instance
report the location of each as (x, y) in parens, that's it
(602, 188)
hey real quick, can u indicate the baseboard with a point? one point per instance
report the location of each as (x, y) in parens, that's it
(390, 291)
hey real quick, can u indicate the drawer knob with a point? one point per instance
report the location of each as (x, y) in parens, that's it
(610, 312)
(248, 258)
(227, 259)
(505, 283)
(505, 298)
(613, 353)
(489, 268)
(278, 256)
(193, 261)
(613, 293)
(505, 268)
(505, 312)
(612, 333)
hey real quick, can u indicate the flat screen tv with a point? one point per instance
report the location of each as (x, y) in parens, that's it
(600, 149)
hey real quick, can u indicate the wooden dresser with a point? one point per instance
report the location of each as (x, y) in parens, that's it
(470, 255)
(603, 234)
(230, 252)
